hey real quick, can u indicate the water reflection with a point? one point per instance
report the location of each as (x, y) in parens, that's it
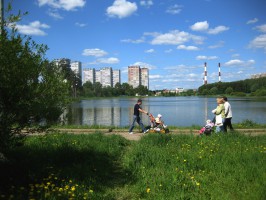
(176, 111)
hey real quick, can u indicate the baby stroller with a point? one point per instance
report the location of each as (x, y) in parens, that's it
(156, 127)
(207, 129)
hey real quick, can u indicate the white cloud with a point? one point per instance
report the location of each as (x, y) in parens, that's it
(111, 60)
(206, 57)
(175, 37)
(150, 51)
(121, 9)
(146, 3)
(142, 64)
(252, 21)
(204, 27)
(239, 63)
(200, 26)
(261, 28)
(218, 29)
(155, 76)
(175, 9)
(34, 28)
(235, 62)
(54, 14)
(259, 42)
(189, 48)
(80, 24)
(94, 52)
(141, 40)
(63, 4)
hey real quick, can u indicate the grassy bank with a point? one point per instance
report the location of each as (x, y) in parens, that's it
(65, 166)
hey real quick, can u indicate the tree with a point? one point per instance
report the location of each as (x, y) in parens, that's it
(229, 90)
(213, 90)
(31, 88)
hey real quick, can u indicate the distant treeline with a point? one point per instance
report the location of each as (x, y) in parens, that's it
(97, 90)
(252, 87)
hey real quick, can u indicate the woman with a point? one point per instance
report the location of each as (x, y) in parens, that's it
(219, 115)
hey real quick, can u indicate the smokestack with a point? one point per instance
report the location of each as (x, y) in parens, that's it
(219, 72)
(205, 73)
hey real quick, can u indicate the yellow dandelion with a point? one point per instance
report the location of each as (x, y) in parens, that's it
(73, 188)
(197, 183)
(60, 190)
(148, 190)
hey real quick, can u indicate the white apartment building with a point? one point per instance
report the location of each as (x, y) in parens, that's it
(88, 75)
(98, 76)
(76, 68)
(116, 77)
(106, 77)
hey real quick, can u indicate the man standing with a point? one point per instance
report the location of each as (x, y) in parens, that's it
(228, 115)
(136, 117)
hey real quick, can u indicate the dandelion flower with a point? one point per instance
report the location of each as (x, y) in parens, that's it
(73, 188)
(148, 190)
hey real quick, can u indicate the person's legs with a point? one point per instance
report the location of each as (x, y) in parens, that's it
(133, 123)
(230, 124)
(218, 129)
(141, 124)
(225, 124)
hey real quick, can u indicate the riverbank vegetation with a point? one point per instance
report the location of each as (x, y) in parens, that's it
(250, 87)
(95, 166)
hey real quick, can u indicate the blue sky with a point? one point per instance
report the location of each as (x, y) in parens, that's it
(173, 38)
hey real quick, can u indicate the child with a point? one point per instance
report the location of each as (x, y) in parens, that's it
(207, 129)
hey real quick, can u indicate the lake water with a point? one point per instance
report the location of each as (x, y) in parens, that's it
(176, 111)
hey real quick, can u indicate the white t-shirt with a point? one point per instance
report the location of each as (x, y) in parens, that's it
(228, 110)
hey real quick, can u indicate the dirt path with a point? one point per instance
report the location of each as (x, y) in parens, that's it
(136, 136)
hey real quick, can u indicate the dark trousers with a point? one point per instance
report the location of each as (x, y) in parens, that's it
(227, 123)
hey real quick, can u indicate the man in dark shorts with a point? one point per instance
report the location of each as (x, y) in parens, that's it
(136, 117)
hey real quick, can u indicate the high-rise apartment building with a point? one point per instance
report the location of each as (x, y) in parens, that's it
(134, 76)
(138, 76)
(116, 77)
(144, 77)
(88, 75)
(98, 76)
(76, 68)
(106, 76)
(62, 62)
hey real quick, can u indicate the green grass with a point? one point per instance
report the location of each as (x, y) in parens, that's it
(95, 166)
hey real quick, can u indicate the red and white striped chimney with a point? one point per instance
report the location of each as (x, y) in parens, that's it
(219, 72)
(205, 73)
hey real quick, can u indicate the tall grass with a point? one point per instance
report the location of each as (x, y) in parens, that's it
(65, 166)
